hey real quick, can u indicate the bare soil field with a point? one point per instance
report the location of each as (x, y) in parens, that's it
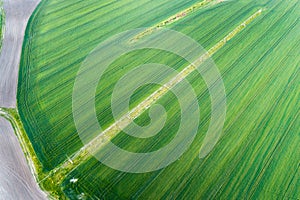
(17, 13)
(16, 180)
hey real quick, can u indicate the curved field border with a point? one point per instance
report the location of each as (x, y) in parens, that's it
(16, 180)
(66, 167)
(37, 53)
(17, 14)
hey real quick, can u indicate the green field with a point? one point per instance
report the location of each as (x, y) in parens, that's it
(257, 156)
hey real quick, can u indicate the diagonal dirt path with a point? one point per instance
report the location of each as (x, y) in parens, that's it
(17, 13)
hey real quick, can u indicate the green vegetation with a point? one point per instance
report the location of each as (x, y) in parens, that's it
(256, 157)
(1, 22)
(54, 95)
(175, 17)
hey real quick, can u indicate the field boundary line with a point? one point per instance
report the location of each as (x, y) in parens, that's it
(12, 116)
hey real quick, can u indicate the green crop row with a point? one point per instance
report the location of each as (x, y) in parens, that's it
(53, 52)
(257, 155)
(262, 120)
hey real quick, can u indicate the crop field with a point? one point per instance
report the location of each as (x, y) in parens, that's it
(257, 156)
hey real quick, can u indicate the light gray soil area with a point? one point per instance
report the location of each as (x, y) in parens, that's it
(16, 180)
(17, 13)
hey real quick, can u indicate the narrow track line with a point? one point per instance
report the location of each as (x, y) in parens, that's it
(276, 43)
(139, 109)
(59, 71)
(124, 121)
(178, 16)
(185, 183)
(52, 61)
